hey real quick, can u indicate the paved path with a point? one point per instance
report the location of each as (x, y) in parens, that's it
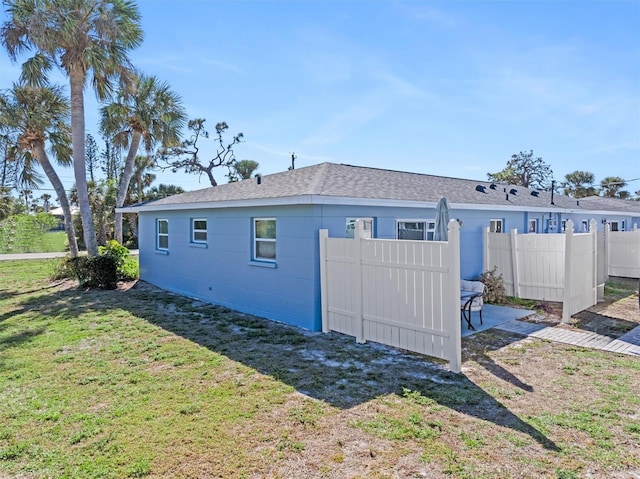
(627, 344)
(8, 257)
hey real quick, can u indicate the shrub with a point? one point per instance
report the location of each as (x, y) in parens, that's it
(102, 271)
(493, 286)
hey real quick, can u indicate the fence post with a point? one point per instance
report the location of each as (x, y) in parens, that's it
(568, 272)
(514, 262)
(324, 287)
(485, 249)
(593, 230)
(358, 236)
(607, 239)
(455, 336)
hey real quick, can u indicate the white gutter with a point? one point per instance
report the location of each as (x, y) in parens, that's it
(350, 201)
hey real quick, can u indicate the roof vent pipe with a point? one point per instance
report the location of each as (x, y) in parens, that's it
(577, 202)
(259, 179)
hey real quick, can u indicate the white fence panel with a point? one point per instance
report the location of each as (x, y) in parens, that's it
(498, 253)
(540, 261)
(581, 265)
(343, 269)
(547, 267)
(623, 252)
(401, 293)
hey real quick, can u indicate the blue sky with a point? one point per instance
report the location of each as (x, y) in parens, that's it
(446, 88)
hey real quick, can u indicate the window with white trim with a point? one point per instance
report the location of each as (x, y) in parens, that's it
(264, 239)
(415, 229)
(198, 230)
(496, 226)
(585, 226)
(533, 226)
(351, 227)
(162, 228)
(614, 226)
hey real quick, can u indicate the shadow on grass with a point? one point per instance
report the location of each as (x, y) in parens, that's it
(601, 324)
(327, 367)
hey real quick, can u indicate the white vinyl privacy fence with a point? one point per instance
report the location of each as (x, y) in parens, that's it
(401, 293)
(622, 252)
(547, 267)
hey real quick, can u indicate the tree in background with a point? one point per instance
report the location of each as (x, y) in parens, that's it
(242, 170)
(86, 38)
(91, 156)
(39, 117)
(186, 155)
(111, 160)
(142, 178)
(162, 191)
(611, 187)
(524, 170)
(145, 111)
(579, 184)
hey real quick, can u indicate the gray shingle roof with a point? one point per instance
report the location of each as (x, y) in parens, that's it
(344, 181)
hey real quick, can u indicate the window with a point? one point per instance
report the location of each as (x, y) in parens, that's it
(585, 226)
(496, 226)
(199, 230)
(351, 227)
(614, 226)
(563, 225)
(533, 226)
(415, 229)
(264, 239)
(163, 234)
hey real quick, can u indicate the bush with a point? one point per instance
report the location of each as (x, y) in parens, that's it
(493, 286)
(102, 271)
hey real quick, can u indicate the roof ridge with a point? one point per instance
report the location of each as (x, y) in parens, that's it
(320, 179)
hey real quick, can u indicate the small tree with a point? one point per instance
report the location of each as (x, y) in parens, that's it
(186, 155)
(524, 170)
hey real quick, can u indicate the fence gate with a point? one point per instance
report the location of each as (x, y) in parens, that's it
(396, 292)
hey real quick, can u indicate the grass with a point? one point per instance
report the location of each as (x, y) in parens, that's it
(141, 383)
(53, 242)
(49, 242)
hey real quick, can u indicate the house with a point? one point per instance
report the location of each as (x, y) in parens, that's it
(253, 245)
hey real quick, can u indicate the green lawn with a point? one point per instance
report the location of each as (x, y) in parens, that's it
(141, 383)
(53, 242)
(49, 242)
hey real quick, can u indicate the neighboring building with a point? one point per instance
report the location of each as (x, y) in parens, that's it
(253, 245)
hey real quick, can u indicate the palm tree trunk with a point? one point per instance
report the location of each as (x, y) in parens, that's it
(125, 179)
(43, 159)
(77, 80)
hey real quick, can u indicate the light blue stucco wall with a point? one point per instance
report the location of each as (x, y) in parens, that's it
(223, 272)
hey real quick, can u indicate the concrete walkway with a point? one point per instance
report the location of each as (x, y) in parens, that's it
(626, 344)
(15, 256)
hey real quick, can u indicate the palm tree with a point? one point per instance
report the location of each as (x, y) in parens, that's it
(87, 39)
(148, 112)
(242, 170)
(162, 191)
(141, 178)
(40, 115)
(611, 186)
